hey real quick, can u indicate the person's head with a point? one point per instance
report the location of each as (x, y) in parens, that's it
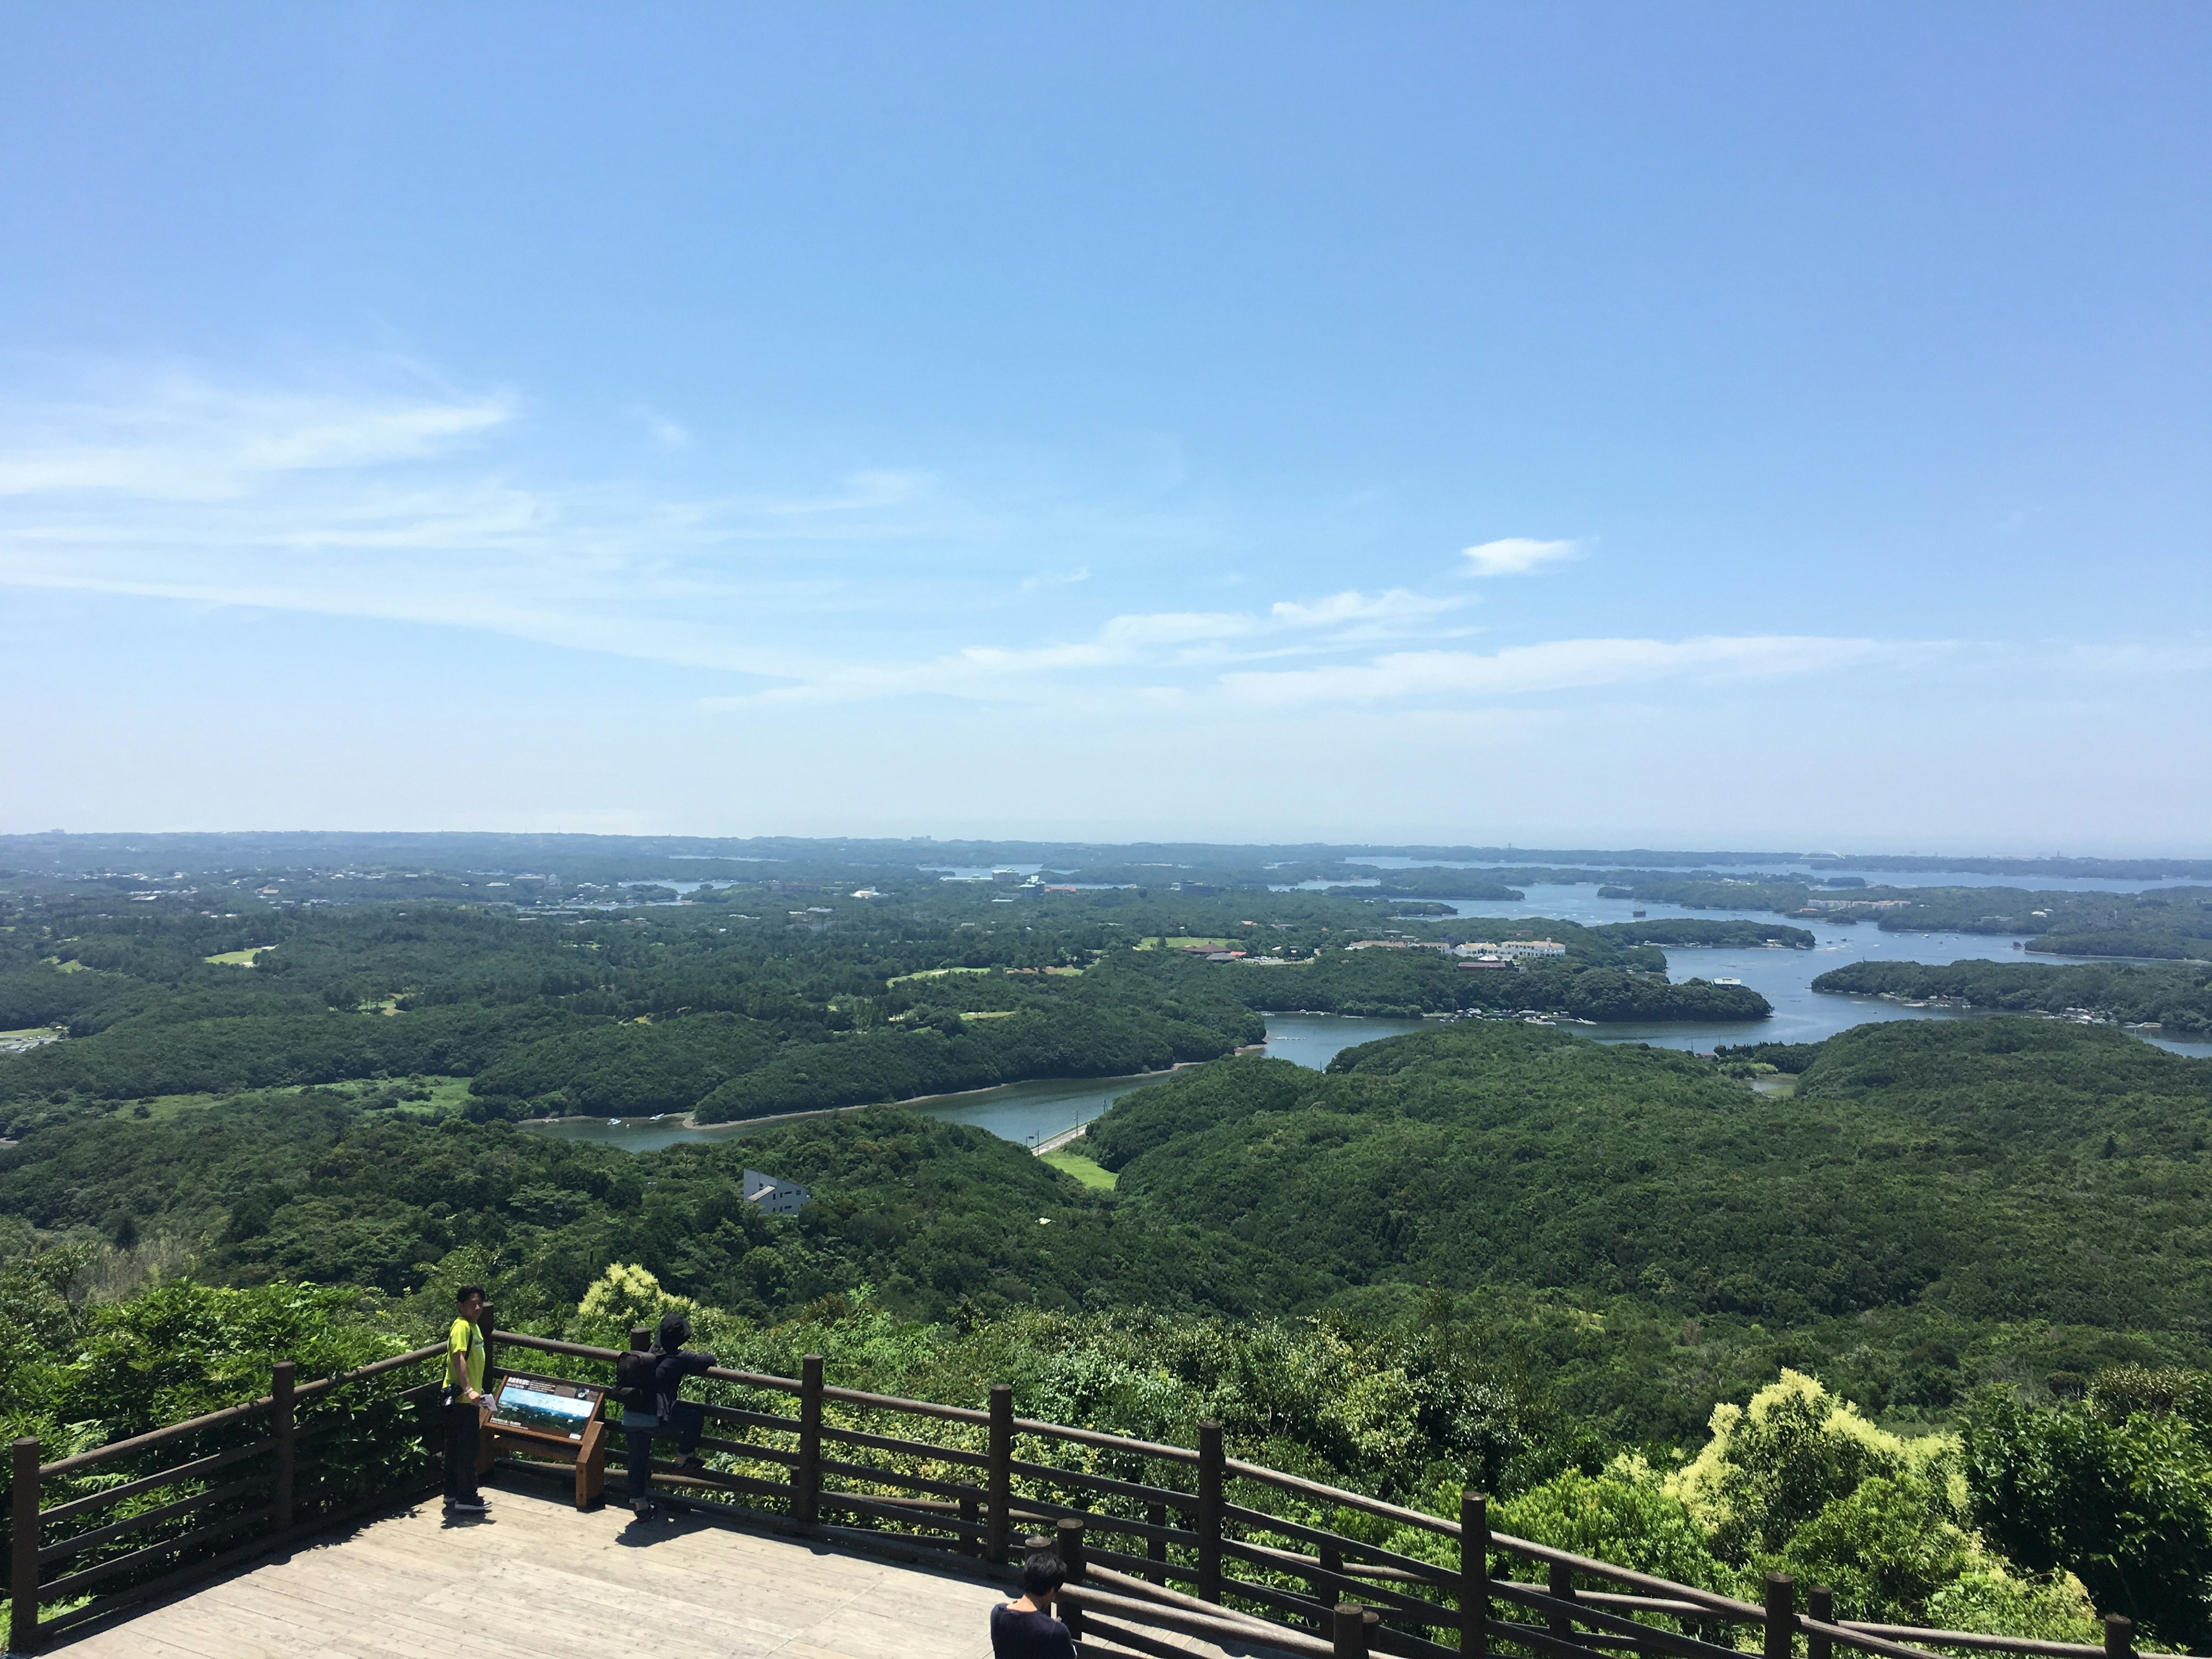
(675, 1331)
(1042, 1573)
(468, 1302)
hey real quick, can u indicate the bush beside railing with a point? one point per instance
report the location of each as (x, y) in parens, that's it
(1251, 1545)
(1201, 1544)
(137, 1516)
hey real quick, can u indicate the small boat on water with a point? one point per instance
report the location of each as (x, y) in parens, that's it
(614, 1123)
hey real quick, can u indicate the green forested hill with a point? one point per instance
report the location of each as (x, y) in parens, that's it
(748, 999)
(1698, 932)
(1602, 976)
(1992, 1170)
(938, 1218)
(2177, 995)
(1486, 1251)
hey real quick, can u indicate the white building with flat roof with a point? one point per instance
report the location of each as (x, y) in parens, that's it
(773, 1196)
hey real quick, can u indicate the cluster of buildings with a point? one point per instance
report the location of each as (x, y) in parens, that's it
(1476, 953)
(1507, 954)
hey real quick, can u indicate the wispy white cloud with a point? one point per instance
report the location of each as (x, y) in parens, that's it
(384, 500)
(1554, 665)
(1516, 555)
(407, 501)
(1163, 640)
(668, 432)
(2133, 658)
(181, 438)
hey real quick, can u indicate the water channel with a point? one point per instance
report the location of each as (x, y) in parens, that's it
(1032, 1112)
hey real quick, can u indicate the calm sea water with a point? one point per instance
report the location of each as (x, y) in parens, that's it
(1784, 978)
(1032, 1112)
(1027, 1112)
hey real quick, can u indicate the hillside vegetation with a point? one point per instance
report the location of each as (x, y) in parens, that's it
(2171, 922)
(1568, 1273)
(2177, 998)
(1997, 1169)
(1931, 1329)
(714, 1007)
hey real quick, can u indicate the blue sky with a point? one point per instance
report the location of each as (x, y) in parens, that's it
(1572, 423)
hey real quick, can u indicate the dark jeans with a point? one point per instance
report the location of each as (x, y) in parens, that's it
(686, 1422)
(463, 1426)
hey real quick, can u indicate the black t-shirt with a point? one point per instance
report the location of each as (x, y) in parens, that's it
(669, 1372)
(1016, 1635)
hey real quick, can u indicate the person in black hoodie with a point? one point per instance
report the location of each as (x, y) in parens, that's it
(1027, 1629)
(687, 1421)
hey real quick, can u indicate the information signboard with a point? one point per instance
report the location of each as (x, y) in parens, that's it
(546, 1405)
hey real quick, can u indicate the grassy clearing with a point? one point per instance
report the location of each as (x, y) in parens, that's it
(436, 1094)
(240, 958)
(934, 973)
(1071, 1162)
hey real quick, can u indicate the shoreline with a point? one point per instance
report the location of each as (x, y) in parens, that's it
(686, 1120)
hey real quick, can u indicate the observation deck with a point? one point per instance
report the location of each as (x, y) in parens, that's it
(294, 1525)
(539, 1580)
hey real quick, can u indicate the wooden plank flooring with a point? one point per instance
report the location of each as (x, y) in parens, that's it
(540, 1580)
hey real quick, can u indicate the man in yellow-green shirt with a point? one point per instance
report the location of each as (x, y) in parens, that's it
(464, 1379)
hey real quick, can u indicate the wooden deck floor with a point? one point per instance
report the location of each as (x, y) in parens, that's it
(540, 1580)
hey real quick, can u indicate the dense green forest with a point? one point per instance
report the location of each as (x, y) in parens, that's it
(1695, 932)
(742, 1002)
(1485, 1251)
(1989, 1169)
(1432, 883)
(2177, 998)
(2174, 922)
(1601, 1281)
(1405, 983)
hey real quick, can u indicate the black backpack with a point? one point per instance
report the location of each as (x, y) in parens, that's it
(634, 1387)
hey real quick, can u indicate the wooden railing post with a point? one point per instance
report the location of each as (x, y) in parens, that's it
(1071, 1557)
(806, 1476)
(1351, 1631)
(1820, 1608)
(23, 1564)
(1001, 1471)
(1156, 1549)
(640, 1342)
(1781, 1615)
(281, 1430)
(1209, 1511)
(1473, 1574)
(1561, 1586)
(2119, 1633)
(1326, 1589)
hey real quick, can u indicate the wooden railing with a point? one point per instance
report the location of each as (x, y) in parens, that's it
(1158, 1539)
(139, 1517)
(1250, 1547)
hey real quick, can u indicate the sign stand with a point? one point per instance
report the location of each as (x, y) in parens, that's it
(548, 1420)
